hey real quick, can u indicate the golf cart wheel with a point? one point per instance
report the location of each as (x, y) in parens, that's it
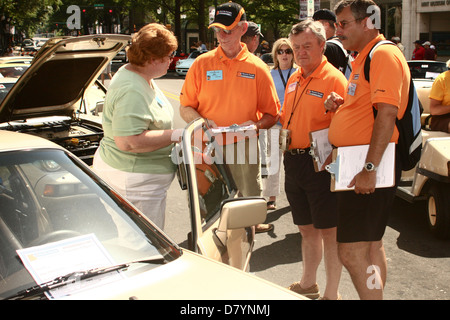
(438, 209)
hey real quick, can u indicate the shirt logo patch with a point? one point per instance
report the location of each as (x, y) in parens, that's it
(246, 75)
(314, 93)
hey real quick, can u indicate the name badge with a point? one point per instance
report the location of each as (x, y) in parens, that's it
(351, 88)
(214, 75)
(246, 75)
(292, 87)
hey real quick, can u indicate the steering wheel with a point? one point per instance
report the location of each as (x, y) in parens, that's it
(54, 236)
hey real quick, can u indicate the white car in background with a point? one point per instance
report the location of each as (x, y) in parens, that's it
(183, 66)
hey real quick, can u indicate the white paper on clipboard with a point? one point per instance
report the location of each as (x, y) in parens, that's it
(320, 147)
(349, 161)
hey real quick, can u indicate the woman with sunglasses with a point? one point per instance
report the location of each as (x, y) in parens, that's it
(134, 155)
(283, 67)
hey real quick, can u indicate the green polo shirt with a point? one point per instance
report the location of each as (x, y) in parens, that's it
(132, 106)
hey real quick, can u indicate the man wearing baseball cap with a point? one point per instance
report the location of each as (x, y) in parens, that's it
(252, 36)
(229, 85)
(334, 50)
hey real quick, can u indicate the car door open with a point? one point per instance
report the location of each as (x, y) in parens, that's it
(221, 222)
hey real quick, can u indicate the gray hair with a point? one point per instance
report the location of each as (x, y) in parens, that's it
(316, 28)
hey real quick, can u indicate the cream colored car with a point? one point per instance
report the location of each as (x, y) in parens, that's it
(430, 179)
(65, 234)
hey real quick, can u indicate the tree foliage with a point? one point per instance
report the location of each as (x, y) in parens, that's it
(275, 16)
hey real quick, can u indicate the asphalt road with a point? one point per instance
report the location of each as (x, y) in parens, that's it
(418, 264)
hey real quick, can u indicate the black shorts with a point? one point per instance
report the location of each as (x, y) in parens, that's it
(308, 192)
(364, 217)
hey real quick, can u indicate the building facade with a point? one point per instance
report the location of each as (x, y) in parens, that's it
(411, 20)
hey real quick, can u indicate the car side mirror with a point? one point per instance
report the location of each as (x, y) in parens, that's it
(240, 213)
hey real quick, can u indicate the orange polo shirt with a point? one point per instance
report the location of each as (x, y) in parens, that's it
(303, 109)
(230, 91)
(389, 83)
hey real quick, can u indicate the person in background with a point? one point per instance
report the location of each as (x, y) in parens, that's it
(201, 46)
(283, 68)
(106, 72)
(419, 51)
(230, 85)
(134, 155)
(252, 36)
(433, 47)
(334, 51)
(313, 205)
(440, 102)
(429, 53)
(265, 48)
(399, 44)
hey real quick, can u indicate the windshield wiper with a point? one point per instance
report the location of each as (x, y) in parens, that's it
(73, 277)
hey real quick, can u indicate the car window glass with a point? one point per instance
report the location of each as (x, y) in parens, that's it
(213, 179)
(426, 70)
(4, 89)
(45, 197)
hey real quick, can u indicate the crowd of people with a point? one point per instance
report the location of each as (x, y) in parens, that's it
(314, 84)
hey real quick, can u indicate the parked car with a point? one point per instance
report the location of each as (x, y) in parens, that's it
(176, 58)
(65, 234)
(12, 70)
(16, 59)
(182, 66)
(430, 180)
(122, 56)
(5, 85)
(52, 99)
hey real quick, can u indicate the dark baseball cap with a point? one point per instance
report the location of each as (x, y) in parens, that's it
(228, 15)
(253, 30)
(324, 14)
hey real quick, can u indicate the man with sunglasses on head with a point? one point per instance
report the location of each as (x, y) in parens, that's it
(229, 85)
(313, 205)
(364, 212)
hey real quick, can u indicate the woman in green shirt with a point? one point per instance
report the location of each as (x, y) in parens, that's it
(134, 155)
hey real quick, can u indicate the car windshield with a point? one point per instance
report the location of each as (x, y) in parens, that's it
(195, 54)
(56, 217)
(4, 89)
(13, 71)
(426, 69)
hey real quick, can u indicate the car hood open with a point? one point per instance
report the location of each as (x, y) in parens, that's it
(59, 75)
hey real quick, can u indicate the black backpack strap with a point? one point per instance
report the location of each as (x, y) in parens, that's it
(369, 57)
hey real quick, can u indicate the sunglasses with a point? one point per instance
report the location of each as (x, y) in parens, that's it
(342, 24)
(287, 51)
(217, 30)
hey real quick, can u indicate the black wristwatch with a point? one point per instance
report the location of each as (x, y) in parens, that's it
(369, 166)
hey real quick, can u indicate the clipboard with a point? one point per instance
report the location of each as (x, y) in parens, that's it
(320, 149)
(349, 161)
